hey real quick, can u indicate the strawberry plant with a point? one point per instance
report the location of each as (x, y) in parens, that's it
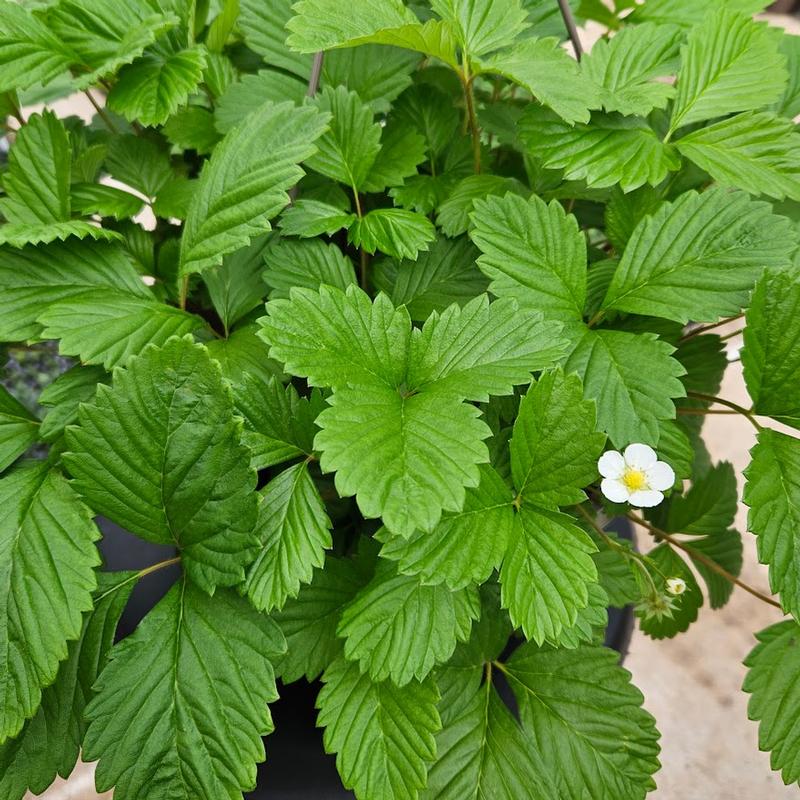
(376, 312)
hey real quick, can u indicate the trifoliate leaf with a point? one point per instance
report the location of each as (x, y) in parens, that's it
(534, 252)
(294, 532)
(454, 213)
(483, 26)
(709, 506)
(597, 741)
(309, 621)
(107, 326)
(550, 74)
(467, 545)
(19, 429)
(772, 684)
(264, 30)
(698, 257)
(348, 149)
(730, 63)
(49, 743)
(382, 734)
(757, 152)
(105, 201)
(772, 492)
(377, 74)
(546, 572)
(309, 264)
(393, 608)
(443, 275)
(610, 150)
(48, 557)
(63, 396)
(245, 96)
(771, 355)
(393, 231)
(235, 286)
(624, 67)
(245, 182)
(159, 454)
(631, 377)
(307, 218)
(278, 423)
(36, 183)
(554, 448)
(168, 718)
(154, 86)
(484, 753)
(668, 564)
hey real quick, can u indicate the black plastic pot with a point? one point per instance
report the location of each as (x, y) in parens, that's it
(297, 767)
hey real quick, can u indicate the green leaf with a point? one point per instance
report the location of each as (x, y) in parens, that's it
(789, 103)
(243, 352)
(220, 29)
(30, 53)
(348, 149)
(402, 148)
(154, 86)
(546, 572)
(426, 193)
(377, 74)
(294, 532)
(771, 681)
(169, 719)
(616, 574)
(709, 506)
(393, 231)
(49, 743)
(235, 286)
(771, 354)
(455, 212)
(467, 545)
(393, 608)
(21, 234)
(174, 198)
(192, 128)
(554, 448)
(48, 556)
(632, 378)
(757, 152)
(610, 150)
(159, 454)
(382, 734)
(624, 212)
(668, 564)
(279, 424)
(36, 182)
(550, 74)
(245, 182)
(320, 24)
(481, 26)
(309, 621)
(704, 360)
(245, 96)
(688, 13)
(772, 492)
(139, 163)
(596, 741)
(534, 252)
(105, 201)
(624, 67)
(444, 275)
(699, 256)
(107, 326)
(63, 397)
(724, 548)
(309, 264)
(730, 63)
(308, 218)
(19, 429)
(264, 30)
(484, 753)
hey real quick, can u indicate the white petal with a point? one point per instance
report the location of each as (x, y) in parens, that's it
(640, 456)
(660, 476)
(616, 491)
(611, 464)
(646, 498)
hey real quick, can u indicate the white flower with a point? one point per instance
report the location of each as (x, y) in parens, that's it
(635, 476)
(676, 585)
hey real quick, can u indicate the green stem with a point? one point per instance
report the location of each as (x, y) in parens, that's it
(711, 327)
(472, 117)
(596, 318)
(710, 398)
(141, 574)
(101, 112)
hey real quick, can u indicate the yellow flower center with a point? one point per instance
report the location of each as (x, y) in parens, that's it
(634, 479)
